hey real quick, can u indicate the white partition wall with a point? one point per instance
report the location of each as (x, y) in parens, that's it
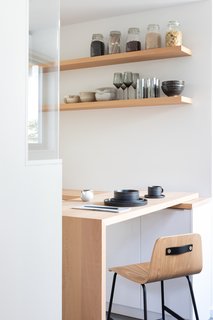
(30, 201)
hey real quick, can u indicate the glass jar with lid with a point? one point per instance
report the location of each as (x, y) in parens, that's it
(97, 46)
(133, 40)
(153, 37)
(174, 34)
(115, 42)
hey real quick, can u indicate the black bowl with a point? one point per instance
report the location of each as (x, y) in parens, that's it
(172, 91)
(173, 82)
(172, 87)
(126, 195)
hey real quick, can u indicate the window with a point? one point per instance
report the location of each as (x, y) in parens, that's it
(35, 105)
(43, 82)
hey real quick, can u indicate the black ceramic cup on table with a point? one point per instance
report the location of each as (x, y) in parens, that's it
(155, 192)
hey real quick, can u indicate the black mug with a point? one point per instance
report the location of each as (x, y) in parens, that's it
(155, 191)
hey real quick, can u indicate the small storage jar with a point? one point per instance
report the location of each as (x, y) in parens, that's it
(153, 37)
(115, 42)
(174, 34)
(97, 47)
(133, 42)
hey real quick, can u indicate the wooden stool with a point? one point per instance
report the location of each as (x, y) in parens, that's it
(172, 257)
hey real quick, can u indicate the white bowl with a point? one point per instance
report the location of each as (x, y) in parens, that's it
(71, 99)
(106, 93)
(87, 96)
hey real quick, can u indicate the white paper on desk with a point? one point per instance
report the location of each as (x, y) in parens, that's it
(95, 207)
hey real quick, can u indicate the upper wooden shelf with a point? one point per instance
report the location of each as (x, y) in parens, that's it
(125, 57)
(177, 100)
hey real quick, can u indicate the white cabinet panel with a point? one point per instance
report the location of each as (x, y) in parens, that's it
(123, 247)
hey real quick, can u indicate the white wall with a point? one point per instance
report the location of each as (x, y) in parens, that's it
(137, 147)
(30, 205)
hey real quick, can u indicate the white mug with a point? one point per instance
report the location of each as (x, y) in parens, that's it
(87, 195)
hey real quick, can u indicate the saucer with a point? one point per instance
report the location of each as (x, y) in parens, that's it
(135, 203)
(154, 197)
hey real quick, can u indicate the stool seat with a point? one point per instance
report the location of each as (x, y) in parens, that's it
(172, 257)
(138, 273)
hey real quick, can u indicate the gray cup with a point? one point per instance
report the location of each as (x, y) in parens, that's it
(141, 89)
(155, 191)
(152, 88)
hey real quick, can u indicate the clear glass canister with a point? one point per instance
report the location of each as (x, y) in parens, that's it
(153, 37)
(97, 46)
(133, 42)
(115, 42)
(174, 34)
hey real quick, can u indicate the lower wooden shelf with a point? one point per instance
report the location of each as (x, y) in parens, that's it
(161, 101)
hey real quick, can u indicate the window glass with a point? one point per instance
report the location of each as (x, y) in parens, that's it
(43, 80)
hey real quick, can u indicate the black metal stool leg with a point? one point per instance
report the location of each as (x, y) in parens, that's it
(165, 308)
(162, 301)
(111, 296)
(144, 301)
(193, 298)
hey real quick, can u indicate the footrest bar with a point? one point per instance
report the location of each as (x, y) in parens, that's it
(174, 314)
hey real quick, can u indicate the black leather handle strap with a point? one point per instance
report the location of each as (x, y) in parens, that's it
(179, 250)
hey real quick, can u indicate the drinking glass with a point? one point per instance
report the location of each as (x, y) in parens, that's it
(117, 81)
(123, 87)
(127, 81)
(135, 77)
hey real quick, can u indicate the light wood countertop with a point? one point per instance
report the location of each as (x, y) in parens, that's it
(84, 248)
(171, 199)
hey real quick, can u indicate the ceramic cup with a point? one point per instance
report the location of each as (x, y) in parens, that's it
(87, 195)
(155, 191)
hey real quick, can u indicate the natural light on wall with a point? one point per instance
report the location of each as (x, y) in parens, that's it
(34, 105)
(43, 80)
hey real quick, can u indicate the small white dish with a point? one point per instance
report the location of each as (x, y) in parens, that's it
(71, 99)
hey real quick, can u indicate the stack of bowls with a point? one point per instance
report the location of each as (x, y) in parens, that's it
(87, 96)
(172, 87)
(106, 93)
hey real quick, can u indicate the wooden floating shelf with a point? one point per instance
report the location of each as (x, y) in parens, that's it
(125, 57)
(177, 100)
(119, 58)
